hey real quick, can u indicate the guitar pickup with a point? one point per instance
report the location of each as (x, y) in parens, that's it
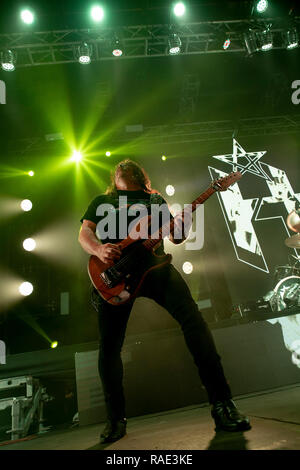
(106, 279)
(111, 277)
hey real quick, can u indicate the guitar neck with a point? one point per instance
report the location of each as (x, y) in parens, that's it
(165, 230)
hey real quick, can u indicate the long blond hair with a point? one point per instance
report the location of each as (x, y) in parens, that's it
(137, 173)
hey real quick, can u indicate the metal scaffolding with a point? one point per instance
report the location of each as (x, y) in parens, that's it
(58, 47)
(218, 130)
(139, 135)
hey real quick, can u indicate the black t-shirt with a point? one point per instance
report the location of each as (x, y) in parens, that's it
(107, 211)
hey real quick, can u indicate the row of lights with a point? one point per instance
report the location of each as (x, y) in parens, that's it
(26, 288)
(254, 41)
(85, 49)
(8, 58)
(97, 13)
(187, 266)
(263, 40)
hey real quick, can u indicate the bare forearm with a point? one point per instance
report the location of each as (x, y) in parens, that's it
(88, 240)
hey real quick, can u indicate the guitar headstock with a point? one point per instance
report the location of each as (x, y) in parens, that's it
(221, 184)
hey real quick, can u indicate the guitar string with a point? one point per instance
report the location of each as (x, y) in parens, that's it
(149, 243)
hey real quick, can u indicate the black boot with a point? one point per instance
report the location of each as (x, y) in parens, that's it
(113, 431)
(228, 418)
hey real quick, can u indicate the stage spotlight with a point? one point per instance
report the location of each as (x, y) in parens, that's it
(8, 61)
(26, 205)
(170, 190)
(76, 157)
(292, 39)
(251, 42)
(97, 13)
(117, 50)
(54, 344)
(108, 154)
(187, 267)
(261, 6)
(164, 158)
(226, 44)
(29, 244)
(27, 16)
(26, 288)
(30, 173)
(84, 53)
(174, 43)
(179, 9)
(266, 40)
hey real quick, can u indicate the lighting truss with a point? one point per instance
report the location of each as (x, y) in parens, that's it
(217, 130)
(53, 47)
(203, 131)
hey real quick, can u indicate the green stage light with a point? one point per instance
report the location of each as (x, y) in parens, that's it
(261, 6)
(266, 40)
(108, 154)
(117, 49)
(164, 158)
(179, 9)
(292, 39)
(54, 344)
(97, 13)
(84, 53)
(76, 157)
(8, 60)
(174, 43)
(27, 16)
(30, 173)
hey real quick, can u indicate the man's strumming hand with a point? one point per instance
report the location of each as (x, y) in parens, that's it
(108, 252)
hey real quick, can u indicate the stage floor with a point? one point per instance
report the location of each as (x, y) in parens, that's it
(274, 415)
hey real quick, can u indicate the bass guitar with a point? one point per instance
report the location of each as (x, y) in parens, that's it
(120, 282)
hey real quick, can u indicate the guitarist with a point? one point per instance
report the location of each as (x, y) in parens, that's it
(164, 285)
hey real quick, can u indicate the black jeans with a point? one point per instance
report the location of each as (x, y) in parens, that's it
(167, 287)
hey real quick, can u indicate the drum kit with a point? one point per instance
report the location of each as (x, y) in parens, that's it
(286, 293)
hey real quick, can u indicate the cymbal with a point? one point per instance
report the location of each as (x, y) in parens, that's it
(293, 242)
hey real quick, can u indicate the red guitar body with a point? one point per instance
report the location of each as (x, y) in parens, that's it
(120, 282)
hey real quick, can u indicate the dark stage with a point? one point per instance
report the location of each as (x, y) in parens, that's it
(274, 416)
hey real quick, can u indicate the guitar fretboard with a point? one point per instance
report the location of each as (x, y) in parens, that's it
(165, 230)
